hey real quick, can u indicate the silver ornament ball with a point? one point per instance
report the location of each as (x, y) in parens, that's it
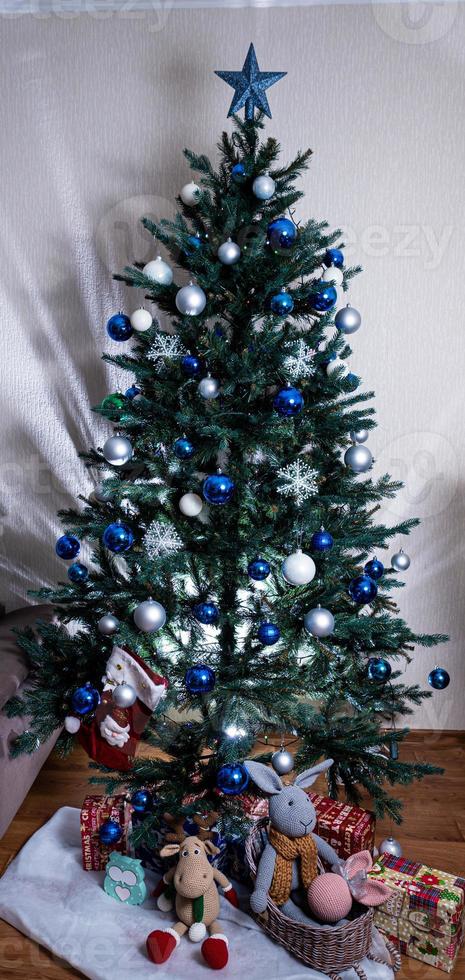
(108, 624)
(190, 194)
(72, 724)
(209, 388)
(190, 504)
(124, 695)
(390, 846)
(348, 320)
(149, 616)
(334, 275)
(298, 568)
(264, 187)
(159, 271)
(282, 761)
(358, 458)
(117, 450)
(191, 300)
(229, 252)
(359, 435)
(101, 494)
(319, 622)
(400, 561)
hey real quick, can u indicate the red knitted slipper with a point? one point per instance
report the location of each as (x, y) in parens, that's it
(215, 951)
(161, 943)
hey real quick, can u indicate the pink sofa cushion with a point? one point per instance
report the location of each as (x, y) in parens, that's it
(13, 661)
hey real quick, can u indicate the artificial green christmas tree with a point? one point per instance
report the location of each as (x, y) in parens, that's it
(233, 578)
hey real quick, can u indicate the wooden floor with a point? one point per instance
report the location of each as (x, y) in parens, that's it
(433, 832)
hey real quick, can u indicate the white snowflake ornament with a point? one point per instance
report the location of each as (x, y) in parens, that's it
(299, 364)
(165, 345)
(160, 539)
(298, 481)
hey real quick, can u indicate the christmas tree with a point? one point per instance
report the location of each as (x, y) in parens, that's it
(235, 594)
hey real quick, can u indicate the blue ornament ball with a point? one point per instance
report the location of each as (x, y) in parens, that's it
(334, 256)
(323, 299)
(184, 448)
(259, 569)
(195, 242)
(374, 568)
(439, 678)
(218, 489)
(78, 572)
(322, 540)
(142, 801)
(268, 634)
(379, 670)
(239, 173)
(110, 833)
(119, 327)
(85, 699)
(67, 547)
(200, 679)
(191, 365)
(232, 778)
(288, 401)
(282, 303)
(132, 392)
(118, 537)
(282, 233)
(206, 613)
(363, 589)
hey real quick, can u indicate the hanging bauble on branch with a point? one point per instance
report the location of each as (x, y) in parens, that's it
(264, 187)
(206, 613)
(183, 448)
(282, 233)
(282, 761)
(117, 450)
(118, 537)
(358, 435)
(67, 547)
(239, 173)
(288, 402)
(218, 489)
(108, 624)
(229, 252)
(190, 504)
(390, 846)
(268, 634)
(348, 320)
(114, 402)
(337, 364)
(124, 695)
(142, 801)
(85, 700)
(191, 300)
(319, 622)
(322, 298)
(190, 194)
(232, 778)
(298, 568)
(333, 275)
(362, 589)
(334, 257)
(209, 388)
(439, 678)
(78, 573)
(200, 679)
(378, 670)
(258, 569)
(282, 303)
(149, 616)
(358, 458)
(133, 393)
(374, 568)
(119, 327)
(159, 271)
(322, 540)
(191, 365)
(141, 320)
(110, 833)
(400, 561)
(72, 724)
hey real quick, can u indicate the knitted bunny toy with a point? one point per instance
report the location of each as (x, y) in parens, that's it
(292, 817)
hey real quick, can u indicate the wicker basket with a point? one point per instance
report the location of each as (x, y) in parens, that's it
(329, 951)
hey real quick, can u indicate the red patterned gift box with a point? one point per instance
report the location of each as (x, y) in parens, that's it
(95, 810)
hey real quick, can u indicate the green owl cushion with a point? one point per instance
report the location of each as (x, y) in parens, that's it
(124, 879)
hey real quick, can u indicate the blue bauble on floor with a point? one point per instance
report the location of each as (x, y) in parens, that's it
(118, 537)
(67, 547)
(119, 327)
(232, 778)
(218, 489)
(288, 401)
(200, 679)
(362, 589)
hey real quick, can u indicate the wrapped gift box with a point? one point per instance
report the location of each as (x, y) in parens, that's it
(95, 810)
(424, 916)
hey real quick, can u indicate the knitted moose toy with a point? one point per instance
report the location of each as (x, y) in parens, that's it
(197, 901)
(289, 859)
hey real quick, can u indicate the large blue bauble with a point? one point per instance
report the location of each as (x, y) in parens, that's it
(268, 634)
(232, 778)
(218, 489)
(282, 233)
(323, 299)
(439, 678)
(119, 327)
(258, 569)
(239, 173)
(206, 613)
(142, 801)
(362, 589)
(200, 679)
(288, 401)
(322, 540)
(191, 365)
(67, 547)
(282, 303)
(85, 699)
(78, 572)
(374, 568)
(184, 448)
(378, 669)
(132, 392)
(334, 256)
(118, 537)
(110, 833)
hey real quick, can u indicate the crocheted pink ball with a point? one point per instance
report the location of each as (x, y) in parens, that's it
(329, 898)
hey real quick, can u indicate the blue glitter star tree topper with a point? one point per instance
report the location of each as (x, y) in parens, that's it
(249, 86)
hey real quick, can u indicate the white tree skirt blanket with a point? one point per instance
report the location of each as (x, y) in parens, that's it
(46, 894)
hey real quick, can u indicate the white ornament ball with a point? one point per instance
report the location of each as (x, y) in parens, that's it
(390, 846)
(149, 616)
(190, 194)
(72, 724)
(190, 504)
(264, 187)
(298, 568)
(141, 320)
(400, 561)
(124, 695)
(359, 435)
(108, 624)
(117, 450)
(358, 458)
(319, 622)
(282, 762)
(333, 275)
(229, 252)
(209, 387)
(159, 271)
(335, 364)
(191, 300)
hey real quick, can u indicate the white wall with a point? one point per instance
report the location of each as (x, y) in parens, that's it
(95, 112)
